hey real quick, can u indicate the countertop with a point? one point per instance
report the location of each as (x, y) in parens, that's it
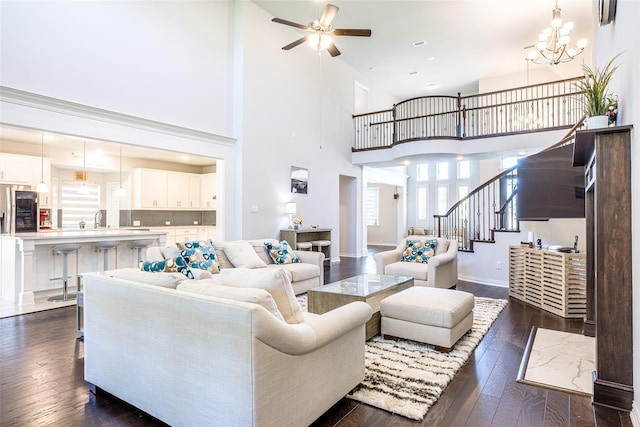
(87, 235)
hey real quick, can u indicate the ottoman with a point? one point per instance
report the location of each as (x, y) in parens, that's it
(429, 315)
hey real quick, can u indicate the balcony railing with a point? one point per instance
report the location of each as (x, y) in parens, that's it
(555, 105)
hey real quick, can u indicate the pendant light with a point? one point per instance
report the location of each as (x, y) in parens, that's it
(83, 188)
(120, 192)
(42, 186)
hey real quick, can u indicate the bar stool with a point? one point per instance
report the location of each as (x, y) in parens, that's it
(139, 245)
(65, 250)
(322, 244)
(304, 246)
(104, 247)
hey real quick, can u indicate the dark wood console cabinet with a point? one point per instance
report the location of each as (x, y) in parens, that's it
(606, 156)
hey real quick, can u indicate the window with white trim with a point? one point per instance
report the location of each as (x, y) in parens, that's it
(76, 206)
(442, 199)
(442, 171)
(372, 206)
(422, 172)
(464, 169)
(422, 202)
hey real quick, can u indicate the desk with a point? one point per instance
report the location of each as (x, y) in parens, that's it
(293, 236)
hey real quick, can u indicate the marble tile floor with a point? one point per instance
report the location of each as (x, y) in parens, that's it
(559, 360)
(8, 308)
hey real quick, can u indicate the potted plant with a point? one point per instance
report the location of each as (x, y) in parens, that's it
(594, 88)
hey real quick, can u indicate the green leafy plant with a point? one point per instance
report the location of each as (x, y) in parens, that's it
(594, 88)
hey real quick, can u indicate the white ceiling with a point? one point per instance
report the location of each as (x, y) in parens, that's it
(469, 40)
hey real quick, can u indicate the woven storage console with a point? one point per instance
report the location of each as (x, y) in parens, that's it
(553, 281)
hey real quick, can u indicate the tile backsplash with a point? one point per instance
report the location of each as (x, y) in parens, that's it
(178, 218)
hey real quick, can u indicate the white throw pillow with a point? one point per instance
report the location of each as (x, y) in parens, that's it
(273, 280)
(251, 295)
(242, 255)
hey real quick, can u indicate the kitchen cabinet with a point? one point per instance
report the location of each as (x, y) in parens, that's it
(15, 169)
(156, 189)
(150, 188)
(208, 191)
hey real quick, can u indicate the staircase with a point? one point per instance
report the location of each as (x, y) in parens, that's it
(488, 209)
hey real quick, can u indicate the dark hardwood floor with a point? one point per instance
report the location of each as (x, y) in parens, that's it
(41, 377)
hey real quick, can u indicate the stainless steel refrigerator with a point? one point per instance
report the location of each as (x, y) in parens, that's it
(18, 209)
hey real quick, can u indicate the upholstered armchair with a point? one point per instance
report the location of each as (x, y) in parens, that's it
(440, 271)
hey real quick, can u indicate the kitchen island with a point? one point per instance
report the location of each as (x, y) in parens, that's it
(30, 270)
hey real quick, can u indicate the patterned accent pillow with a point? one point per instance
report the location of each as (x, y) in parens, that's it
(419, 250)
(282, 253)
(169, 265)
(200, 254)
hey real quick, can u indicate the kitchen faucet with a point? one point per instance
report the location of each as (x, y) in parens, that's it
(97, 219)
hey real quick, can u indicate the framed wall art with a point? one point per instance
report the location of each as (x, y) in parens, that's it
(299, 180)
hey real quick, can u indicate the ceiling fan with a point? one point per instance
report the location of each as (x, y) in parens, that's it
(321, 31)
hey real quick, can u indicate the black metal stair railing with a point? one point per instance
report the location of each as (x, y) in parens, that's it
(489, 208)
(548, 106)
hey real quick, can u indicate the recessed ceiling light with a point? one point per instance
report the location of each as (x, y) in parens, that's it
(431, 58)
(432, 86)
(413, 73)
(521, 153)
(419, 43)
(459, 158)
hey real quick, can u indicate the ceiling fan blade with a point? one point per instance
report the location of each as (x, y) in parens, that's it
(333, 50)
(328, 15)
(296, 43)
(352, 32)
(289, 23)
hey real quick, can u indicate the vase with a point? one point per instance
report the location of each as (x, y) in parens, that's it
(597, 122)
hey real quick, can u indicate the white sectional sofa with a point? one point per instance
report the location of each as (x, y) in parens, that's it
(192, 359)
(305, 275)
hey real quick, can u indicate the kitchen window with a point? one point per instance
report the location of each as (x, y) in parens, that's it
(77, 207)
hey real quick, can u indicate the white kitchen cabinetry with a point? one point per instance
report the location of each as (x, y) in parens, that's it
(208, 191)
(16, 169)
(150, 188)
(205, 233)
(155, 189)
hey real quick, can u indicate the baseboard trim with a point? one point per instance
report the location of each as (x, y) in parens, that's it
(483, 281)
(635, 415)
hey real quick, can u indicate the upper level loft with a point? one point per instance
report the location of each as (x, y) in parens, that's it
(455, 121)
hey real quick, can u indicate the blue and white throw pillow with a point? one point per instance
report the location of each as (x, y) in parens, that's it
(169, 265)
(281, 253)
(419, 250)
(200, 254)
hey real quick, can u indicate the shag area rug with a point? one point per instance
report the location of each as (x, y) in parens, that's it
(406, 377)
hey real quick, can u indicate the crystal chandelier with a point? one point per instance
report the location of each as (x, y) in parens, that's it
(553, 43)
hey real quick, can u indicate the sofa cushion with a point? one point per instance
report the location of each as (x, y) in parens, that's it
(273, 280)
(417, 231)
(242, 255)
(261, 251)
(166, 280)
(419, 250)
(281, 253)
(170, 265)
(250, 295)
(442, 246)
(298, 272)
(200, 254)
(414, 269)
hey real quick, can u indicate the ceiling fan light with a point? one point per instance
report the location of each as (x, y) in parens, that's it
(325, 41)
(313, 40)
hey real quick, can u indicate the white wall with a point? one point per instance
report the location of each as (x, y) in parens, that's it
(622, 36)
(131, 57)
(387, 231)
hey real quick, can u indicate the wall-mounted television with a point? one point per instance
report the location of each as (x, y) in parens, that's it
(549, 186)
